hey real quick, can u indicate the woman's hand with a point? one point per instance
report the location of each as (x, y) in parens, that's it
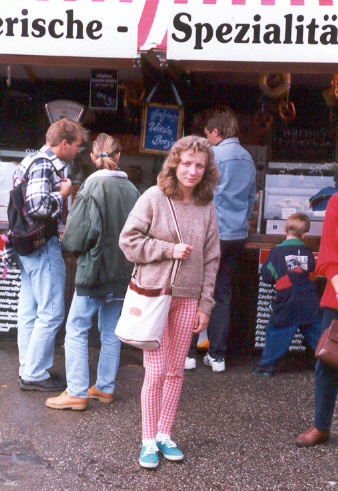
(182, 251)
(201, 321)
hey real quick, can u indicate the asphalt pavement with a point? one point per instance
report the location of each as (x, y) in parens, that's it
(236, 429)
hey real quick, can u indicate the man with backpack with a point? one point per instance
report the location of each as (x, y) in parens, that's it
(43, 272)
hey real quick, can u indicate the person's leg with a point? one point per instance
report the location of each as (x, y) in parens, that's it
(326, 384)
(26, 316)
(219, 324)
(155, 364)
(181, 321)
(312, 333)
(193, 346)
(47, 275)
(76, 344)
(109, 360)
(277, 342)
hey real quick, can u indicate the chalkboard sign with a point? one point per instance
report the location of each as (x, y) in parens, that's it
(103, 89)
(161, 127)
(9, 298)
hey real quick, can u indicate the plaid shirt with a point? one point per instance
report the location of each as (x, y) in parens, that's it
(43, 198)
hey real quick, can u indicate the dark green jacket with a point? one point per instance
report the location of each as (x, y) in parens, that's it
(92, 232)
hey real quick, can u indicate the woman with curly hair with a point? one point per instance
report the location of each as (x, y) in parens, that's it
(149, 239)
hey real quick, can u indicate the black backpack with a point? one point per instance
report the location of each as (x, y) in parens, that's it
(26, 235)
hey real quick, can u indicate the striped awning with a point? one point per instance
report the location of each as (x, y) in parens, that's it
(119, 29)
(153, 20)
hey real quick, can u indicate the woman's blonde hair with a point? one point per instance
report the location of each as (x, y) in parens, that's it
(167, 180)
(105, 151)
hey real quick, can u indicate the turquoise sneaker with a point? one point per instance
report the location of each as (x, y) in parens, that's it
(169, 450)
(149, 456)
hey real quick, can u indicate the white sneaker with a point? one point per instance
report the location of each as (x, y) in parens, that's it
(190, 363)
(216, 365)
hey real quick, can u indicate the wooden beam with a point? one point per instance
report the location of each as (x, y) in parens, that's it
(67, 61)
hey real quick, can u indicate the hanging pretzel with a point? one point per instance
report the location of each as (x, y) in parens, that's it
(261, 122)
(134, 93)
(274, 85)
(287, 111)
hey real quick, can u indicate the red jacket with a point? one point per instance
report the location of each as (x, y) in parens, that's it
(327, 263)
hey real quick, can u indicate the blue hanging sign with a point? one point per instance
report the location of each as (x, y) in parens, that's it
(161, 127)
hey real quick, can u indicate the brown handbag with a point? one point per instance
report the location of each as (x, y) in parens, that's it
(327, 347)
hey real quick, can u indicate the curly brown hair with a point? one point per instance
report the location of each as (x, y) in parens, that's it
(167, 180)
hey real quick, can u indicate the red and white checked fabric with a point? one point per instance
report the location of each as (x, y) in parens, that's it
(164, 369)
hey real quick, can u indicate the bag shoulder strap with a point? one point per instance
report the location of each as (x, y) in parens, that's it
(177, 262)
(24, 180)
(173, 214)
(33, 162)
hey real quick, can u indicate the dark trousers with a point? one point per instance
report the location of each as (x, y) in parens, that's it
(278, 340)
(326, 384)
(219, 324)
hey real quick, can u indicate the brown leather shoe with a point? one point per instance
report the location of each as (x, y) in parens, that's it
(93, 393)
(312, 437)
(66, 401)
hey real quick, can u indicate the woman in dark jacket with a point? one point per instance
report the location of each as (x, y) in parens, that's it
(92, 233)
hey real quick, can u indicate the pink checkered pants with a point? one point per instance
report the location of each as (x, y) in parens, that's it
(164, 369)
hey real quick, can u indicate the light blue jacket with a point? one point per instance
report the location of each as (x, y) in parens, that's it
(235, 195)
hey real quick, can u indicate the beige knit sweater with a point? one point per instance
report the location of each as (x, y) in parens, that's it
(148, 239)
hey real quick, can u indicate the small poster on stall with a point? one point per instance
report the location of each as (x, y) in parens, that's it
(103, 89)
(161, 128)
(266, 294)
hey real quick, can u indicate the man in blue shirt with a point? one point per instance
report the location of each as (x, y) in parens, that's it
(234, 201)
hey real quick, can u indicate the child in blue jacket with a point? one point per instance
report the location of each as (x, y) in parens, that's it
(290, 266)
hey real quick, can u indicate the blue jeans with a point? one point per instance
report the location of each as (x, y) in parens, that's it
(219, 324)
(278, 340)
(76, 344)
(41, 309)
(326, 383)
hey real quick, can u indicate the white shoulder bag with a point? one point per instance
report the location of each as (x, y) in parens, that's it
(145, 310)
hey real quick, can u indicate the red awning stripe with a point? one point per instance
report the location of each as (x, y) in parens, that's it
(146, 21)
(154, 3)
(163, 45)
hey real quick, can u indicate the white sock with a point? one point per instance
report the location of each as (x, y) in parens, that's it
(146, 442)
(162, 437)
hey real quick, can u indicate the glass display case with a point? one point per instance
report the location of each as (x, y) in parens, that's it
(288, 189)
